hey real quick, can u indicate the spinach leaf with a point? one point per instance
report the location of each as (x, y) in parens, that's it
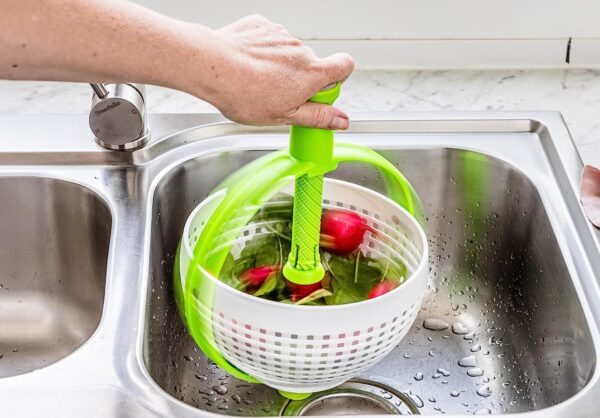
(268, 286)
(229, 272)
(349, 278)
(344, 270)
(391, 270)
(314, 297)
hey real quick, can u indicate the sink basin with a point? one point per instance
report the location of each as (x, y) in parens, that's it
(53, 256)
(500, 295)
(510, 322)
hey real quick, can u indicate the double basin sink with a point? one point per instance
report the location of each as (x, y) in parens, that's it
(88, 323)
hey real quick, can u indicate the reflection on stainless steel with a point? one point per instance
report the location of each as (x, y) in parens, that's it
(118, 116)
(346, 405)
(496, 269)
(513, 295)
(53, 254)
(356, 397)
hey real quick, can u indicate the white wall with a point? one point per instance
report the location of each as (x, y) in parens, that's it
(425, 33)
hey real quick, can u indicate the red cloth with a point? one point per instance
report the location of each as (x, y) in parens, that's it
(590, 194)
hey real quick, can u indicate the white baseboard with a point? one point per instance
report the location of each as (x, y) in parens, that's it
(465, 54)
(585, 53)
(430, 34)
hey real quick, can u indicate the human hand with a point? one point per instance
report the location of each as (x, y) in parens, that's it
(252, 70)
(262, 75)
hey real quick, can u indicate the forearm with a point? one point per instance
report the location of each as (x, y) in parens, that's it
(252, 70)
(101, 41)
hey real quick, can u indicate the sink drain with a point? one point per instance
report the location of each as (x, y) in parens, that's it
(356, 397)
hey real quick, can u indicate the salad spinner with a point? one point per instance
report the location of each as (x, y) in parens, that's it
(294, 348)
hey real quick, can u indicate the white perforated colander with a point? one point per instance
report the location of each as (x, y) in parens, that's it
(305, 349)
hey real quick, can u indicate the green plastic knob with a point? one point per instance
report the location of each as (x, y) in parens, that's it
(327, 95)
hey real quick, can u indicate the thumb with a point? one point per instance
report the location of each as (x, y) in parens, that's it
(317, 115)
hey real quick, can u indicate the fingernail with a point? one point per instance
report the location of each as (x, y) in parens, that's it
(339, 123)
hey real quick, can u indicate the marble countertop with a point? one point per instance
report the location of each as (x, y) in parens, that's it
(575, 93)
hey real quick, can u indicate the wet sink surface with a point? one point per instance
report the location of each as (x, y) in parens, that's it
(53, 257)
(89, 327)
(502, 329)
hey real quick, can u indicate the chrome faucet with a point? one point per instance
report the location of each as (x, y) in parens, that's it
(118, 116)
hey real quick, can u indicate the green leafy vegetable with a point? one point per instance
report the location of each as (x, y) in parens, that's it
(314, 297)
(344, 269)
(350, 277)
(268, 286)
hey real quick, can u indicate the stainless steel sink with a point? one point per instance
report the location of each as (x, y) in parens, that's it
(53, 255)
(509, 325)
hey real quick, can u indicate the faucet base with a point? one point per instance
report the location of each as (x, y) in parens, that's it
(130, 146)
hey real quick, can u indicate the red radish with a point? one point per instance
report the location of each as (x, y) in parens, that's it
(255, 276)
(382, 288)
(300, 291)
(342, 231)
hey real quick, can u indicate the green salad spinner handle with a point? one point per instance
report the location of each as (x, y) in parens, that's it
(311, 145)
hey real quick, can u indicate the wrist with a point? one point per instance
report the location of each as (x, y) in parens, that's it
(199, 63)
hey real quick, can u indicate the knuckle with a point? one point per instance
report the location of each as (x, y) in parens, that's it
(257, 20)
(314, 67)
(291, 115)
(348, 61)
(318, 118)
(295, 42)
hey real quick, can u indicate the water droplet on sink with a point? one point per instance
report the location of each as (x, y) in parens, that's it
(484, 391)
(476, 348)
(200, 377)
(237, 398)
(469, 361)
(436, 375)
(432, 353)
(483, 411)
(416, 399)
(455, 393)
(445, 372)
(406, 355)
(432, 400)
(418, 377)
(475, 372)
(435, 324)
(221, 390)
(459, 328)
(188, 358)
